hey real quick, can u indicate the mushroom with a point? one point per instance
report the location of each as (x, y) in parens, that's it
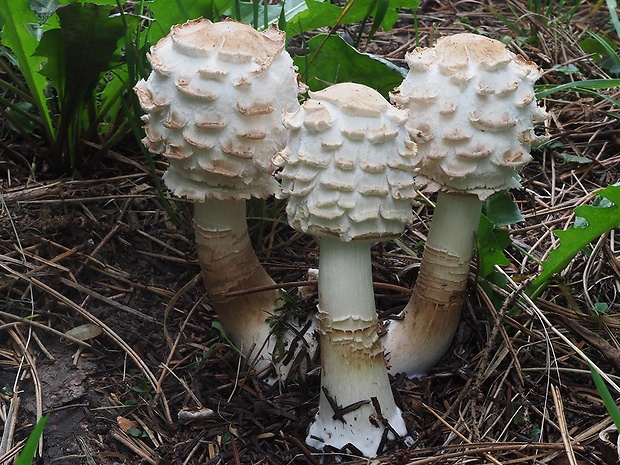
(347, 173)
(214, 104)
(472, 111)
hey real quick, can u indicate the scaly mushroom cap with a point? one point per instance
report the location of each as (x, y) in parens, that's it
(214, 103)
(472, 110)
(347, 167)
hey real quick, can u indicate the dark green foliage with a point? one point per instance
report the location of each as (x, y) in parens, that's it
(331, 60)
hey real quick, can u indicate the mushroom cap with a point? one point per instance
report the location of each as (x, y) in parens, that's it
(214, 103)
(472, 111)
(347, 169)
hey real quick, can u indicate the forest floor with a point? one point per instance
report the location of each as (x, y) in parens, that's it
(100, 248)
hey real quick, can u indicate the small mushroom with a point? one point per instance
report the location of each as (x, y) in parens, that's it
(347, 173)
(214, 104)
(472, 113)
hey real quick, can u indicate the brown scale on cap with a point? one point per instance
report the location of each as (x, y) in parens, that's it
(217, 150)
(472, 113)
(347, 169)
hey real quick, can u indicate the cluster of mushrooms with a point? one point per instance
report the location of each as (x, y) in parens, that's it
(221, 105)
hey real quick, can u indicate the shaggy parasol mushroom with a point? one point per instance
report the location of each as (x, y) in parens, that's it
(214, 104)
(471, 112)
(347, 174)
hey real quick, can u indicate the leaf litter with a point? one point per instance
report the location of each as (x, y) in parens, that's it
(515, 387)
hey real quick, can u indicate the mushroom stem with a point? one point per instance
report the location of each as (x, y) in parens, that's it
(229, 263)
(431, 317)
(353, 370)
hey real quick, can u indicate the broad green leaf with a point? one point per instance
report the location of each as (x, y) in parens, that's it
(604, 51)
(490, 243)
(167, 13)
(19, 34)
(501, 210)
(50, 48)
(596, 221)
(324, 14)
(332, 60)
(77, 54)
(81, 49)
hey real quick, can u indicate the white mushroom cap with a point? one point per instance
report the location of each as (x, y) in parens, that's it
(472, 112)
(214, 103)
(347, 167)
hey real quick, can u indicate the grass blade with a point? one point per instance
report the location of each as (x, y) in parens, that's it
(380, 12)
(608, 400)
(27, 454)
(611, 6)
(588, 84)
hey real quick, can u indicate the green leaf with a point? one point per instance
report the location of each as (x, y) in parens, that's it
(19, 34)
(167, 13)
(20, 120)
(324, 14)
(381, 10)
(332, 60)
(608, 400)
(501, 210)
(77, 54)
(611, 6)
(596, 221)
(578, 86)
(490, 243)
(27, 454)
(220, 329)
(82, 49)
(604, 51)
(601, 307)
(572, 158)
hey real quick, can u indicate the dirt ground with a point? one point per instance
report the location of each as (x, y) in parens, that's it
(160, 385)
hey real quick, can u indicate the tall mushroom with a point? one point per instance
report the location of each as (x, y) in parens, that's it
(214, 104)
(347, 174)
(472, 111)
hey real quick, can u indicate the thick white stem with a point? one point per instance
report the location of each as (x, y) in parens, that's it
(221, 215)
(431, 317)
(353, 371)
(228, 263)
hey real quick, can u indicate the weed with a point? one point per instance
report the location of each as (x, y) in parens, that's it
(596, 220)
(27, 454)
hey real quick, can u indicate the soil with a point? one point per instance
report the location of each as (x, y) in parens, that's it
(103, 246)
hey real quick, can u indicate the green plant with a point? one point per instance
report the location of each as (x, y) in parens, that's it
(613, 15)
(529, 19)
(608, 400)
(216, 345)
(27, 454)
(330, 60)
(70, 57)
(78, 61)
(498, 211)
(604, 52)
(591, 222)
